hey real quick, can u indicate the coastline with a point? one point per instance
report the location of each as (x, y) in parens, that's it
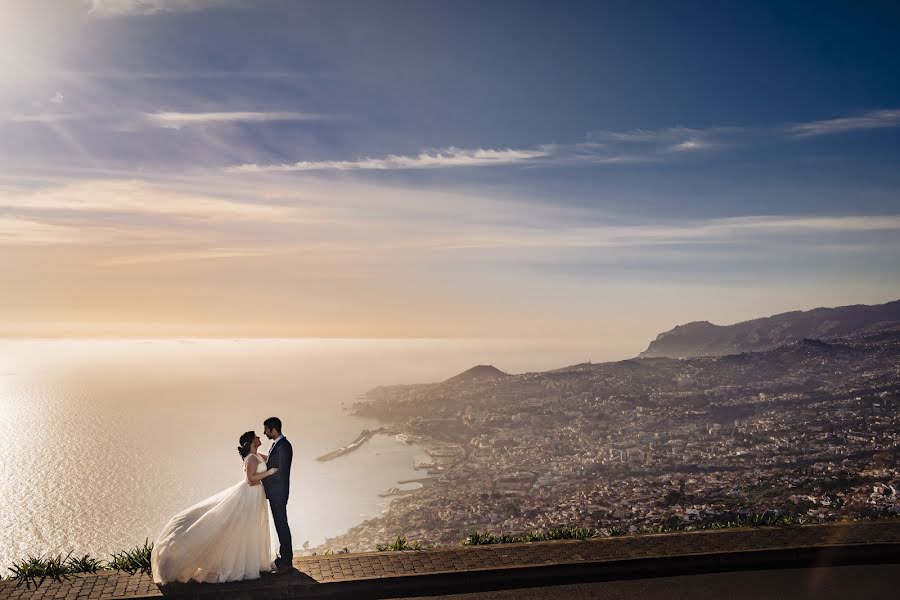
(435, 473)
(215, 381)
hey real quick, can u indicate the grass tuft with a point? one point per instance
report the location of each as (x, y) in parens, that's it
(34, 570)
(480, 538)
(84, 564)
(399, 545)
(134, 560)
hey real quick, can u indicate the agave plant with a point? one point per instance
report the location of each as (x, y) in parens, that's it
(570, 533)
(478, 538)
(134, 560)
(84, 564)
(398, 545)
(34, 570)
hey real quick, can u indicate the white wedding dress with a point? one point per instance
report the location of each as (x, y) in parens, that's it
(223, 538)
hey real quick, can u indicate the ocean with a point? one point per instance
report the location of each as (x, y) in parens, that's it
(102, 441)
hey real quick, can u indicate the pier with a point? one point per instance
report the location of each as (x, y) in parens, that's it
(364, 437)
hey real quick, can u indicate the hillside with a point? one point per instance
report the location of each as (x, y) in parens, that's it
(702, 338)
(477, 372)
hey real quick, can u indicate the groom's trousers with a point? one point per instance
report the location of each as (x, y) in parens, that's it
(279, 515)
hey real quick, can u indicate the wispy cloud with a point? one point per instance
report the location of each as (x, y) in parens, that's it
(691, 145)
(666, 135)
(780, 223)
(41, 118)
(22, 231)
(188, 75)
(602, 147)
(120, 8)
(544, 155)
(133, 197)
(877, 119)
(176, 120)
(188, 255)
(449, 157)
(728, 231)
(693, 138)
(136, 121)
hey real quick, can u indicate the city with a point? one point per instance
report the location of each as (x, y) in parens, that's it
(808, 429)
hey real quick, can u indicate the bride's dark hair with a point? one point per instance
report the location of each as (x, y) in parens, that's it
(246, 443)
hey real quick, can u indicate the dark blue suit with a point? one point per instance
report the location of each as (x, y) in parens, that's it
(277, 488)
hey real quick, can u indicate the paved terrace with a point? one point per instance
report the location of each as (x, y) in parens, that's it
(396, 574)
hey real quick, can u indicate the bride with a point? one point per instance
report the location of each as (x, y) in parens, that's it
(222, 538)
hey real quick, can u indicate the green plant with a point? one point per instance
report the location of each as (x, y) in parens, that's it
(478, 538)
(84, 564)
(29, 571)
(398, 545)
(658, 528)
(571, 533)
(134, 560)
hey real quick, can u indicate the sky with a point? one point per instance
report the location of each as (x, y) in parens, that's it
(587, 171)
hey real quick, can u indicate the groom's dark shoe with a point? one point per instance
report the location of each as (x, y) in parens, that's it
(283, 568)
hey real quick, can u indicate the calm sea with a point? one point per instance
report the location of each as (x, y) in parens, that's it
(102, 441)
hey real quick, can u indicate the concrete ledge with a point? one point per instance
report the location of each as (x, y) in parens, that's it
(545, 575)
(509, 566)
(531, 576)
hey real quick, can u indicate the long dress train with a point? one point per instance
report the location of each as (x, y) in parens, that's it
(222, 538)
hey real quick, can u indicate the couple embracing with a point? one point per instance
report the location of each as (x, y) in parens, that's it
(226, 537)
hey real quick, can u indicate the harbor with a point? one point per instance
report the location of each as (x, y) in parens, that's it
(364, 437)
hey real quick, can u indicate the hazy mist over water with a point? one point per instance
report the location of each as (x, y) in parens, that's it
(104, 440)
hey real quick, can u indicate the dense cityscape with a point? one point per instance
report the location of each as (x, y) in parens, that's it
(810, 429)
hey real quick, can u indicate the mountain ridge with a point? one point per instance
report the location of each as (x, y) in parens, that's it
(702, 338)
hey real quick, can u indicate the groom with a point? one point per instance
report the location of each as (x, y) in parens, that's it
(277, 487)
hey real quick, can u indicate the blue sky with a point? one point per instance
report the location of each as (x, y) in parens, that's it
(391, 168)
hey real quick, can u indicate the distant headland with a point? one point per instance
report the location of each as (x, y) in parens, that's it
(702, 338)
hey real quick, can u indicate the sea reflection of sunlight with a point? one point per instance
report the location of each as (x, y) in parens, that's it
(5, 399)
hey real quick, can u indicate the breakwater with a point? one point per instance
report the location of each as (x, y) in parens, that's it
(364, 437)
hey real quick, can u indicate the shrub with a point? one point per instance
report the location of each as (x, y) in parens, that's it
(134, 560)
(571, 533)
(34, 570)
(398, 545)
(477, 538)
(84, 564)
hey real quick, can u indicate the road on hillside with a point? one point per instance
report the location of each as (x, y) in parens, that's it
(825, 583)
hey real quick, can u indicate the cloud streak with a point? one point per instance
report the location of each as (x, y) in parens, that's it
(123, 8)
(584, 153)
(728, 231)
(602, 147)
(176, 120)
(877, 119)
(449, 157)
(187, 255)
(358, 217)
(134, 197)
(22, 231)
(45, 118)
